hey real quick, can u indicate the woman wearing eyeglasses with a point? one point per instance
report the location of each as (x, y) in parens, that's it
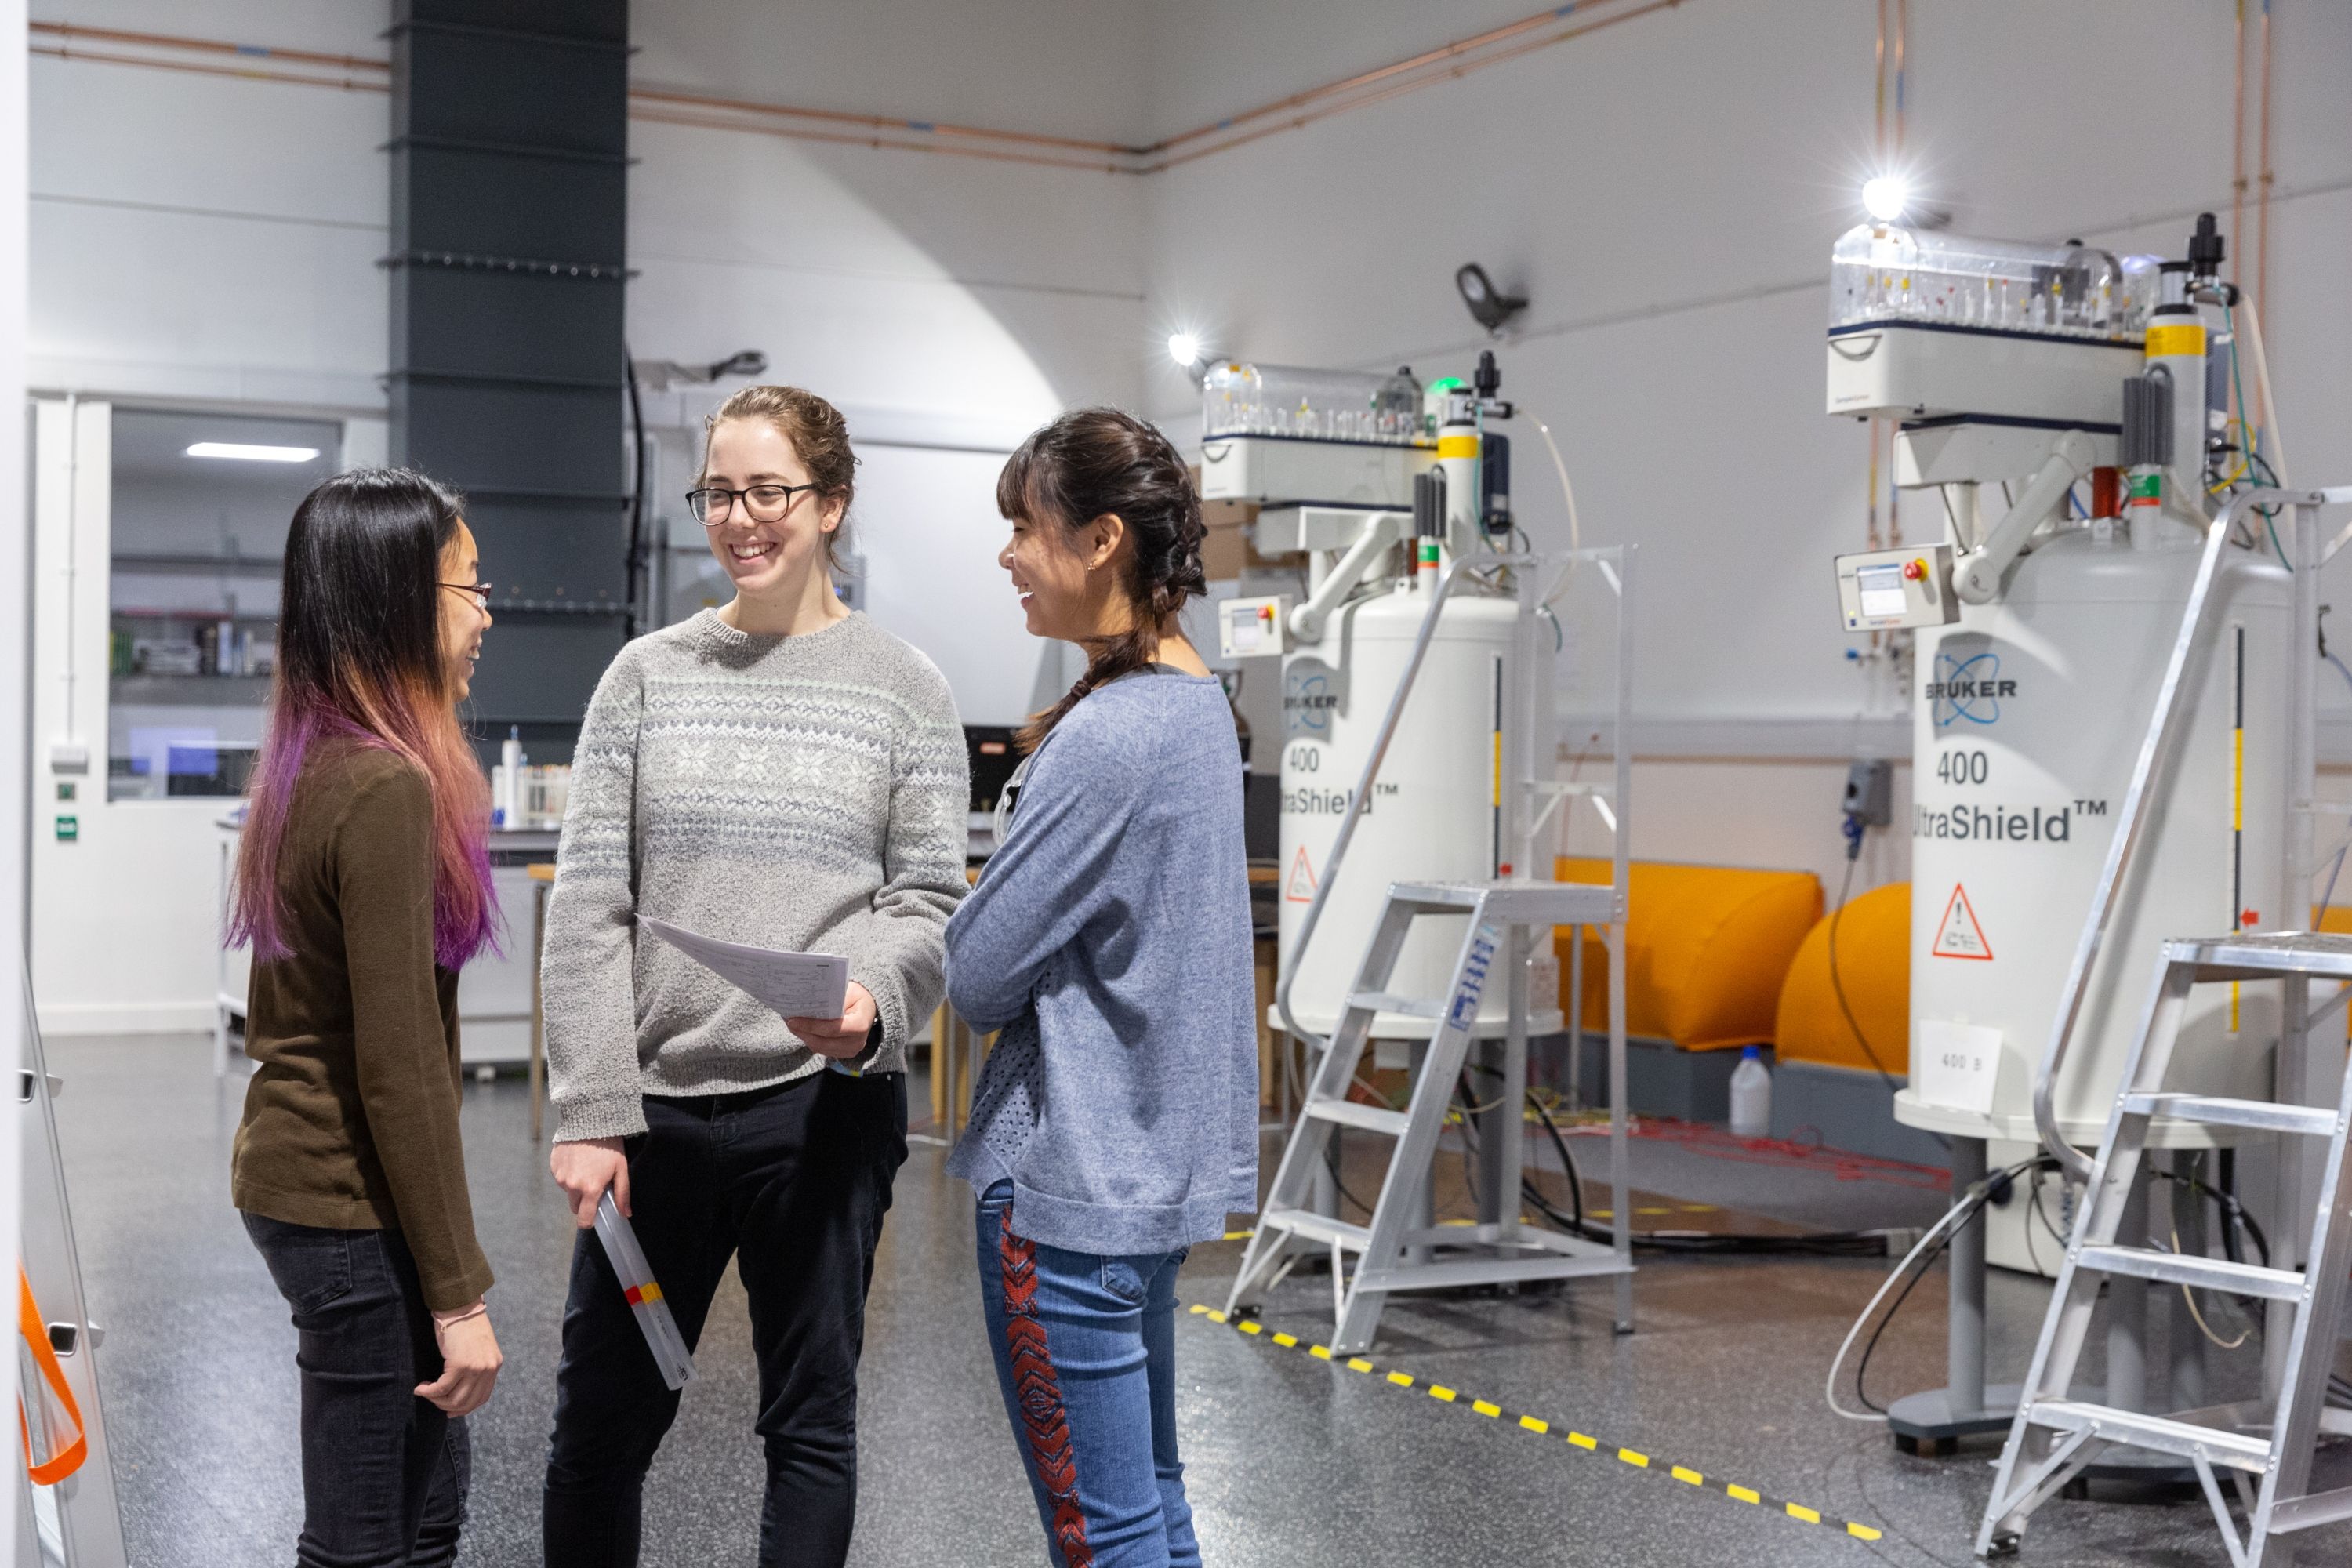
(363, 887)
(779, 772)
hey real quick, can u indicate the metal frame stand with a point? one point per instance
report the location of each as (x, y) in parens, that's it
(1400, 1249)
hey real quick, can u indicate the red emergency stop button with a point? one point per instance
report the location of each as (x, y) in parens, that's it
(1914, 570)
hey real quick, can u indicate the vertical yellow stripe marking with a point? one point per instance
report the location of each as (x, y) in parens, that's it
(1498, 768)
(2237, 780)
(2237, 827)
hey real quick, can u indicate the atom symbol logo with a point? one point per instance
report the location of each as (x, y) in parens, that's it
(1965, 689)
(1311, 696)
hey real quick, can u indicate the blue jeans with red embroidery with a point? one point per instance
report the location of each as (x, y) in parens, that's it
(1086, 1353)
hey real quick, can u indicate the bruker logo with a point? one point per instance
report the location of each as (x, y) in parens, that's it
(1968, 689)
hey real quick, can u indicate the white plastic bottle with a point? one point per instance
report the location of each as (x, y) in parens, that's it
(1751, 1096)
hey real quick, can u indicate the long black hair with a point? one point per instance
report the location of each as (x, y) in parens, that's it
(359, 655)
(1091, 463)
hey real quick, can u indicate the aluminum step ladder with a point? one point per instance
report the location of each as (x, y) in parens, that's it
(1397, 1251)
(2267, 1444)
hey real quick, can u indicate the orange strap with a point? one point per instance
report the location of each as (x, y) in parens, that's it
(68, 1459)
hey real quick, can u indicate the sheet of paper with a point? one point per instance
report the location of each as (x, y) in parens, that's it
(796, 984)
(1957, 1065)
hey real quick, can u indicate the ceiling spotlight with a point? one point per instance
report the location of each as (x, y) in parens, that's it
(249, 453)
(1490, 305)
(1885, 197)
(1184, 347)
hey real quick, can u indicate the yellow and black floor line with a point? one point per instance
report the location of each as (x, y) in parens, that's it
(1406, 1382)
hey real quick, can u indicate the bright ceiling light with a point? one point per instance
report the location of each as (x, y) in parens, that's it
(1884, 197)
(1184, 347)
(247, 453)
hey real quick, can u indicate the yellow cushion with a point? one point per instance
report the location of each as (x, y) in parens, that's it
(1874, 963)
(1705, 948)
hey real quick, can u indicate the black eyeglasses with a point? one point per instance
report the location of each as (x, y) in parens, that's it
(478, 592)
(714, 504)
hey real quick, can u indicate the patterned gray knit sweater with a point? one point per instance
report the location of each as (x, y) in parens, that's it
(806, 794)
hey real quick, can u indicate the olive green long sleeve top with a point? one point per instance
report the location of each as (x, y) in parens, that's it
(351, 1118)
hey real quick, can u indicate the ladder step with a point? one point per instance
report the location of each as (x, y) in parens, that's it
(2201, 1273)
(2241, 1450)
(1316, 1227)
(2290, 1515)
(1389, 1002)
(1454, 1274)
(1347, 1113)
(1513, 902)
(2245, 953)
(2264, 1115)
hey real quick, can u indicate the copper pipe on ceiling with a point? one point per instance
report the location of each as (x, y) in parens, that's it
(69, 31)
(2262, 182)
(1438, 56)
(844, 139)
(1425, 69)
(897, 123)
(198, 67)
(2238, 159)
(1399, 90)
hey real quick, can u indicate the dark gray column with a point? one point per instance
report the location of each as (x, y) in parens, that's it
(509, 151)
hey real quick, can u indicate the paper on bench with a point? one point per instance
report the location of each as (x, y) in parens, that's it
(796, 984)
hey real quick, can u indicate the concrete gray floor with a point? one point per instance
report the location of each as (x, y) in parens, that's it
(1292, 1462)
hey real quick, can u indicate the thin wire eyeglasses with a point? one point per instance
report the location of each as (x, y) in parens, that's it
(713, 505)
(478, 592)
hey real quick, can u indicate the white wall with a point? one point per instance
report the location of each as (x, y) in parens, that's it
(213, 240)
(1666, 190)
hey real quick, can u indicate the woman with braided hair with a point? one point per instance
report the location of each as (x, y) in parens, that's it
(1108, 940)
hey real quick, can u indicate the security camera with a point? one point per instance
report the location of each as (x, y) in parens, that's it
(1490, 305)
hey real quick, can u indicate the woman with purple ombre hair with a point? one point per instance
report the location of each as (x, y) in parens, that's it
(363, 885)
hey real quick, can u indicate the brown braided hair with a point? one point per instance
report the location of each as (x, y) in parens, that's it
(1092, 463)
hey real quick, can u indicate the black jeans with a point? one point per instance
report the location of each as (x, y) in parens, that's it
(791, 1182)
(383, 1473)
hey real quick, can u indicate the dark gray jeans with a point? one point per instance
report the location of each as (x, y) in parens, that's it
(383, 1473)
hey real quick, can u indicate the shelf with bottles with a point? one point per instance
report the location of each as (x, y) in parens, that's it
(224, 647)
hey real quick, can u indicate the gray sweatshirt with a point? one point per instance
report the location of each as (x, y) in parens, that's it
(807, 794)
(1109, 940)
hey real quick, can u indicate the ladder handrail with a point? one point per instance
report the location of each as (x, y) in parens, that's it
(2155, 753)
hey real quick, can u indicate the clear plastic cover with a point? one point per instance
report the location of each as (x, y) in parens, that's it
(1238, 399)
(1882, 274)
